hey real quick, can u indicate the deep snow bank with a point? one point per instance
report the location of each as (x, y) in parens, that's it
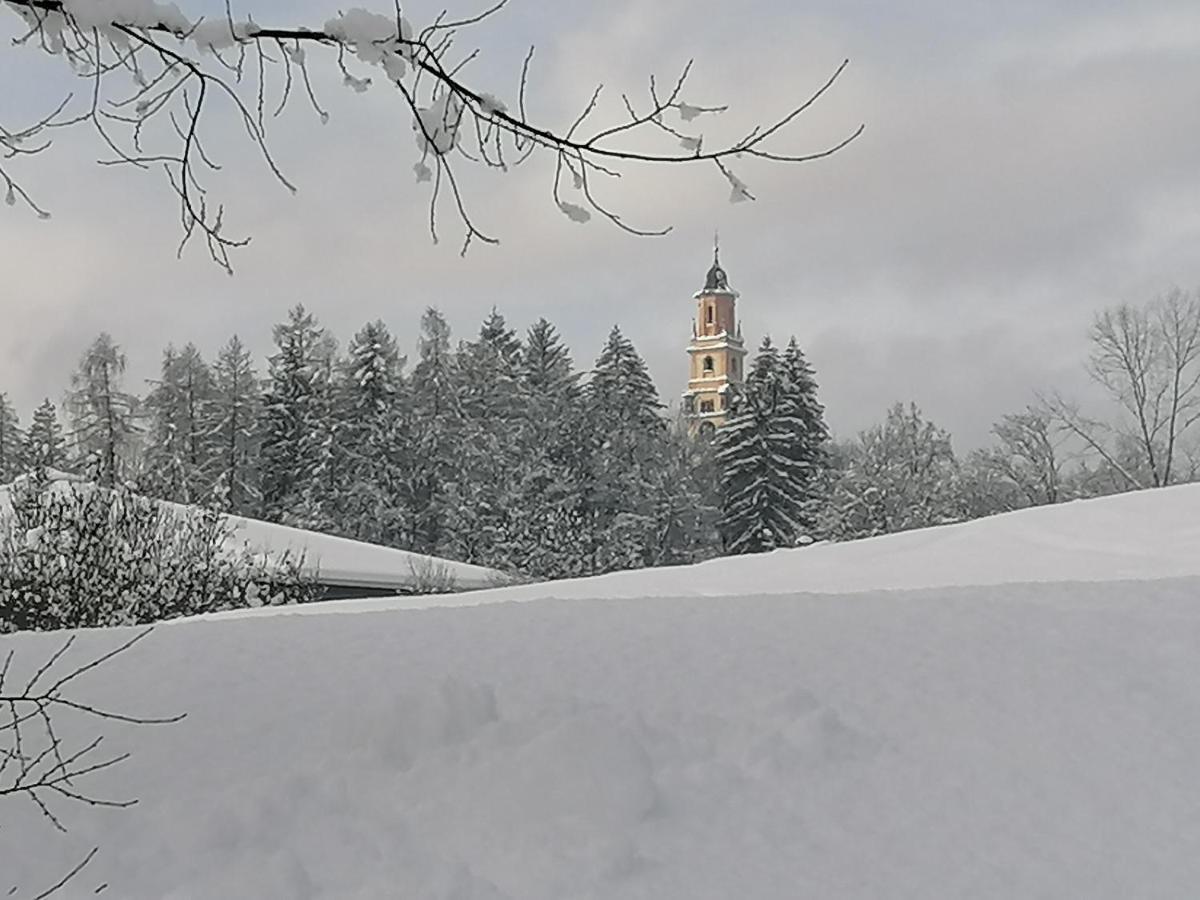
(1135, 536)
(1029, 741)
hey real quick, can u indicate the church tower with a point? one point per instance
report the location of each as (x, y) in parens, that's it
(716, 355)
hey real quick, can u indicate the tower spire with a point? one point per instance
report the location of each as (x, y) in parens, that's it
(716, 280)
(716, 353)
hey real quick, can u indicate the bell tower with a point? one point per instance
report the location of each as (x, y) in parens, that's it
(716, 355)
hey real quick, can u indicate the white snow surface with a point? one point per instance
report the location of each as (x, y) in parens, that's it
(1143, 535)
(999, 741)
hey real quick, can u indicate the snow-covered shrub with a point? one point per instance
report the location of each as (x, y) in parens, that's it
(898, 475)
(77, 556)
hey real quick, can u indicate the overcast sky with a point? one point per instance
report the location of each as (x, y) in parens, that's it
(1024, 164)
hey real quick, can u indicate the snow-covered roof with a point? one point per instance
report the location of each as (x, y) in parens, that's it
(335, 561)
(355, 564)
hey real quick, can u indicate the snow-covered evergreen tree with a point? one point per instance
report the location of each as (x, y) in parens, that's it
(812, 439)
(627, 435)
(770, 452)
(295, 405)
(436, 418)
(547, 523)
(103, 416)
(233, 428)
(45, 443)
(547, 372)
(12, 442)
(488, 372)
(621, 394)
(180, 451)
(372, 440)
(479, 502)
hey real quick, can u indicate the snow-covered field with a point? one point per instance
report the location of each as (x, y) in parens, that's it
(778, 727)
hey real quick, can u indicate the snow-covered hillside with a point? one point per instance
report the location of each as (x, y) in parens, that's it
(1000, 741)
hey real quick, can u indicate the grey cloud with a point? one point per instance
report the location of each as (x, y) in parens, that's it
(1020, 169)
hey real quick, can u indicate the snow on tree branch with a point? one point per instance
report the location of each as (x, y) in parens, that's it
(149, 67)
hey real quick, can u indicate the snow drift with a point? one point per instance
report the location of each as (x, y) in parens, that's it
(1144, 535)
(999, 741)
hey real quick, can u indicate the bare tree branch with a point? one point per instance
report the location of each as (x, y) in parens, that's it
(35, 762)
(1148, 360)
(178, 66)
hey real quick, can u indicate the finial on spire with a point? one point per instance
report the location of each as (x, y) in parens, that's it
(716, 247)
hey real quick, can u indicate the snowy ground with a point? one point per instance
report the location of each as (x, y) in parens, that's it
(1138, 536)
(1035, 740)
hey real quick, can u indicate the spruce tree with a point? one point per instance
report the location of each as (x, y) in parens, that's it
(436, 416)
(802, 385)
(233, 428)
(12, 442)
(488, 373)
(770, 455)
(621, 393)
(546, 529)
(480, 507)
(372, 439)
(547, 373)
(812, 440)
(295, 408)
(103, 416)
(627, 438)
(180, 450)
(45, 445)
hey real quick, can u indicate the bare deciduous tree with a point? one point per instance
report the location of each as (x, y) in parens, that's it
(151, 73)
(1027, 455)
(1148, 360)
(36, 763)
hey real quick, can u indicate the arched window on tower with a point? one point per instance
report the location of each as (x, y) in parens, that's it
(708, 365)
(709, 314)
